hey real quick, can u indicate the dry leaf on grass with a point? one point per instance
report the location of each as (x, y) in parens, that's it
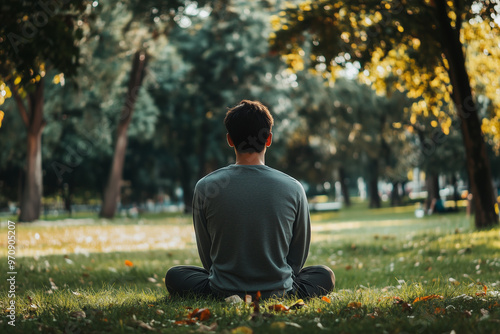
(204, 328)
(201, 314)
(354, 305)
(298, 304)
(422, 299)
(278, 308)
(234, 299)
(144, 325)
(78, 314)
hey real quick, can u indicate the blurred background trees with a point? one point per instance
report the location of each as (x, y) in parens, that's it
(373, 114)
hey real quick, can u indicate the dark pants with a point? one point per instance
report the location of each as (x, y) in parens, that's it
(311, 281)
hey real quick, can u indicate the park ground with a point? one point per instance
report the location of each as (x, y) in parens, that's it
(395, 274)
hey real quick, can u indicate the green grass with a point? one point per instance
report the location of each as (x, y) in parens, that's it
(383, 260)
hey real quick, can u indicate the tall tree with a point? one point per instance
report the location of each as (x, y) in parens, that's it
(423, 37)
(28, 34)
(211, 64)
(144, 26)
(112, 190)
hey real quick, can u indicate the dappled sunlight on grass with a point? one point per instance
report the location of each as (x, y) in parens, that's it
(60, 238)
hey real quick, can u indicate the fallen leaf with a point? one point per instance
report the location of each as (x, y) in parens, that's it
(348, 267)
(53, 285)
(78, 314)
(354, 305)
(439, 310)
(293, 324)
(482, 293)
(494, 305)
(406, 307)
(453, 281)
(144, 325)
(151, 279)
(242, 330)
(422, 299)
(234, 299)
(205, 328)
(298, 304)
(485, 314)
(278, 308)
(326, 299)
(185, 322)
(129, 263)
(202, 314)
(160, 312)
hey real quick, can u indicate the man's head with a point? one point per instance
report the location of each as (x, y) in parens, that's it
(249, 126)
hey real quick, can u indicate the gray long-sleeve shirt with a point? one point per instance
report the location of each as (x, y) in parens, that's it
(252, 228)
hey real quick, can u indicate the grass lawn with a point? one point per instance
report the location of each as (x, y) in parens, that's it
(395, 273)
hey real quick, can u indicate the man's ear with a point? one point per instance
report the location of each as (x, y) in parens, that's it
(229, 140)
(269, 139)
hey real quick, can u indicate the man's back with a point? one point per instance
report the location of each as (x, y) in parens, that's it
(253, 228)
(252, 222)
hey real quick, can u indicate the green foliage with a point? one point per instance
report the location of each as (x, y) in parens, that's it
(39, 35)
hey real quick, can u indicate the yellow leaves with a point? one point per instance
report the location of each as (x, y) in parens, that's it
(129, 263)
(305, 6)
(59, 79)
(415, 43)
(275, 22)
(1, 118)
(345, 36)
(326, 299)
(5, 92)
(295, 61)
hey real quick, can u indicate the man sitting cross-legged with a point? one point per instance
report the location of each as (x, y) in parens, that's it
(252, 223)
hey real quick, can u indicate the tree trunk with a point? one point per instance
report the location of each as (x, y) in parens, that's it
(112, 190)
(456, 195)
(186, 175)
(31, 196)
(395, 195)
(432, 185)
(373, 184)
(343, 186)
(478, 166)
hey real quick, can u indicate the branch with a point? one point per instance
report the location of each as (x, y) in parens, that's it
(20, 105)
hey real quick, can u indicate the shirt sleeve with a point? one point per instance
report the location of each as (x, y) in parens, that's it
(203, 240)
(299, 246)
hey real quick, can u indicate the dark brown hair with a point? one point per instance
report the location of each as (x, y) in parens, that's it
(249, 125)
